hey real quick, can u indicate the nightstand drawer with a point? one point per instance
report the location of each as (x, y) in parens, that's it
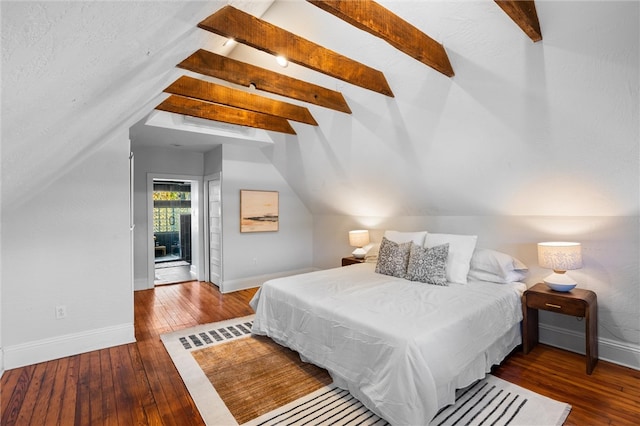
(563, 305)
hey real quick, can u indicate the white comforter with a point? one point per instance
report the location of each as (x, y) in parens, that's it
(400, 347)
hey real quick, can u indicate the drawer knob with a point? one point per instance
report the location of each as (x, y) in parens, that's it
(551, 305)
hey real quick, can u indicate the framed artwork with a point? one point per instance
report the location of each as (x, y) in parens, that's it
(258, 211)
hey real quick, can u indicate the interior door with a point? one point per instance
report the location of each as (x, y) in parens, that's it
(215, 232)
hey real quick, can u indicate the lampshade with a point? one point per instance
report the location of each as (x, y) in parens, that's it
(561, 257)
(359, 238)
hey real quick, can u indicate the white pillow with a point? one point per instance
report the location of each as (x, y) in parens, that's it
(404, 237)
(461, 249)
(494, 266)
(510, 277)
(372, 250)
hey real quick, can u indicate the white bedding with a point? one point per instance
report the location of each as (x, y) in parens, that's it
(400, 347)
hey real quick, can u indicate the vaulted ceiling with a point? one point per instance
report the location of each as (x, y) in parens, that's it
(521, 127)
(207, 100)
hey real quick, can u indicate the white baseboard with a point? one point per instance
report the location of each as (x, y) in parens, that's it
(1, 362)
(67, 345)
(622, 353)
(229, 286)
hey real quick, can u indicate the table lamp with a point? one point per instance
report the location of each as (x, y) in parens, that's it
(359, 239)
(561, 257)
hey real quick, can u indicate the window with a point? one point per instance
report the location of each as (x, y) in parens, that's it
(170, 201)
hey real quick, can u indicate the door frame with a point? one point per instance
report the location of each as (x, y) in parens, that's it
(197, 240)
(207, 249)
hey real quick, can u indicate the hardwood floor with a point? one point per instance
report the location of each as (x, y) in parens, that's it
(609, 396)
(124, 385)
(138, 383)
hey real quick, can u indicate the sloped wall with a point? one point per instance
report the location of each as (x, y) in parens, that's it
(548, 128)
(528, 142)
(74, 71)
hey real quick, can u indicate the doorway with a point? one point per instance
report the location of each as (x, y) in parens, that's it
(172, 231)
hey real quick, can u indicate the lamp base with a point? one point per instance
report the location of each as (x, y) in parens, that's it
(559, 278)
(359, 253)
(559, 281)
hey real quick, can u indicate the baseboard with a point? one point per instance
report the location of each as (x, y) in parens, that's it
(621, 353)
(1, 362)
(229, 286)
(67, 345)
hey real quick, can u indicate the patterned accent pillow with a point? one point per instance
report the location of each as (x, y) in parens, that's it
(393, 258)
(428, 265)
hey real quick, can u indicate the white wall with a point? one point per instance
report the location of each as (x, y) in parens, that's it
(287, 251)
(611, 251)
(213, 161)
(71, 246)
(164, 162)
(250, 258)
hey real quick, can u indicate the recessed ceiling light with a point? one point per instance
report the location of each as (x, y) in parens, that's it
(229, 42)
(282, 61)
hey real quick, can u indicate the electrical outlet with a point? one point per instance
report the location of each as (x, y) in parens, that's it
(61, 311)
(255, 261)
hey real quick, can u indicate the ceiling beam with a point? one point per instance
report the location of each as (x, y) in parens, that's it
(197, 108)
(523, 13)
(233, 71)
(211, 92)
(247, 29)
(371, 17)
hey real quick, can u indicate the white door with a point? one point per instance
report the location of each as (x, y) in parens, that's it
(215, 232)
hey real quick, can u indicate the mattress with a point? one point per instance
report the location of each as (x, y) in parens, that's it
(400, 347)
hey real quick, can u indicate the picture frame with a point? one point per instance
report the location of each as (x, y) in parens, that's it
(259, 211)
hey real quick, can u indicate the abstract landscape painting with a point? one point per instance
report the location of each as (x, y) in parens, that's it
(258, 211)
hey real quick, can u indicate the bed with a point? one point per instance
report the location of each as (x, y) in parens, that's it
(401, 347)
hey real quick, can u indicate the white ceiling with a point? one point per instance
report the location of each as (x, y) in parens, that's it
(549, 128)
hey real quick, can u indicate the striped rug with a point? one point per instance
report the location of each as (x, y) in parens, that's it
(491, 401)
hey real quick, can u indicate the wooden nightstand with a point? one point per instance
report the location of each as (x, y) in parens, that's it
(350, 260)
(577, 302)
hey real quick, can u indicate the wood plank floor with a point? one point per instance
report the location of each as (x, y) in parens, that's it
(138, 383)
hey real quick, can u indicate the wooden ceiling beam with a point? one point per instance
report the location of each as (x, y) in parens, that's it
(211, 92)
(200, 109)
(523, 13)
(262, 35)
(371, 17)
(218, 66)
